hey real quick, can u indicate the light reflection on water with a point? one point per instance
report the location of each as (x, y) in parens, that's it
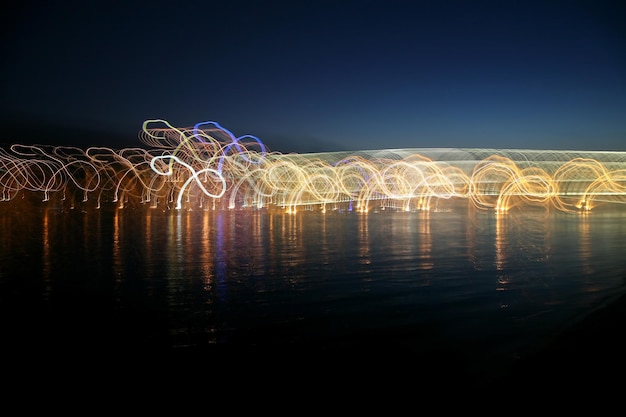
(476, 281)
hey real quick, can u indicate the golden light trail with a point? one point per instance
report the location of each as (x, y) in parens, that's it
(207, 167)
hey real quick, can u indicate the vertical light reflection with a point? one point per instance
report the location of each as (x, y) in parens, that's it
(297, 234)
(271, 243)
(175, 244)
(206, 254)
(501, 256)
(523, 238)
(258, 245)
(283, 227)
(176, 270)
(585, 244)
(500, 244)
(206, 260)
(540, 236)
(291, 245)
(471, 242)
(117, 253)
(425, 243)
(364, 244)
(148, 239)
(46, 255)
(91, 240)
(221, 268)
(188, 244)
(324, 250)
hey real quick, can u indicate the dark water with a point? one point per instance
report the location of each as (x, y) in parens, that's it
(472, 287)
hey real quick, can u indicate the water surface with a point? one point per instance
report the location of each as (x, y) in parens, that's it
(474, 286)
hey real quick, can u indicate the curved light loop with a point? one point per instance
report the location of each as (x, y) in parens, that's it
(208, 163)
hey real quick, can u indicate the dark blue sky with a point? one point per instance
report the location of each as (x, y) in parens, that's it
(319, 75)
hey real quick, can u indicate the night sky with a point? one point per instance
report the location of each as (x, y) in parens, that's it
(316, 76)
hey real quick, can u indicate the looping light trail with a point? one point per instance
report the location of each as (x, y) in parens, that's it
(208, 166)
(194, 177)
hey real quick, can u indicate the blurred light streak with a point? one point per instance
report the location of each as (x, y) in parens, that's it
(206, 166)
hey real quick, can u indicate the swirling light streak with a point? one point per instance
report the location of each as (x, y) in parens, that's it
(195, 177)
(234, 142)
(208, 163)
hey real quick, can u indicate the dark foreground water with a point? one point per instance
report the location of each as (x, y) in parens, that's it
(462, 289)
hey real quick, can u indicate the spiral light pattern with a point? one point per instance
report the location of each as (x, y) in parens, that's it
(207, 166)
